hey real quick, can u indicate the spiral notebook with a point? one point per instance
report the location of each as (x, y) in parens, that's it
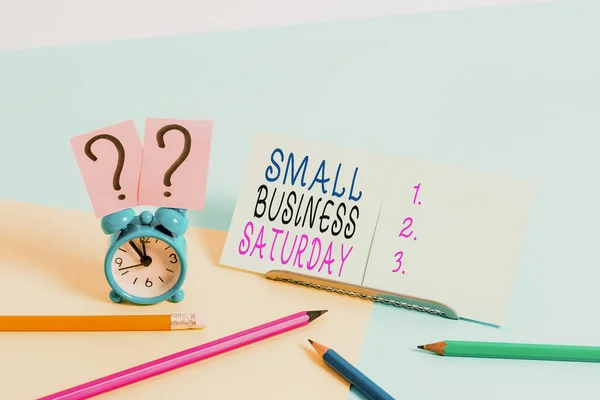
(424, 236)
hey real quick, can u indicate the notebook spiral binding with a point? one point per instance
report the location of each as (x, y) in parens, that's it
(365, 293)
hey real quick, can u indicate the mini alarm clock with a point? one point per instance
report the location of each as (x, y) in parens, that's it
(146, 258)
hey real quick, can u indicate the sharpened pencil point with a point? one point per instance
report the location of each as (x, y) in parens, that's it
(319, 348)
(421, 347)
(312, 315)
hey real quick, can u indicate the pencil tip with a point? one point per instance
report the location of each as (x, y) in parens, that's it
(319, 348)
(312, 315)
(421, 347)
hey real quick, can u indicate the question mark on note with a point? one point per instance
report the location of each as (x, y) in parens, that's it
(187, 145)
(120, 160)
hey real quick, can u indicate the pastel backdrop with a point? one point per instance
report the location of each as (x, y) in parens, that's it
(39, 23)
(513, 90)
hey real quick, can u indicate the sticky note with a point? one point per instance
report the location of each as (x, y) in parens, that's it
(109, 160)
(175, 163)
(424, 230)
(305, 207)
(451, 235)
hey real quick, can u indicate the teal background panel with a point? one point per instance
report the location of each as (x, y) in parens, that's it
(513, 90)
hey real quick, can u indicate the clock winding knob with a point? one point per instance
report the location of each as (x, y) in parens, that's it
(146, 217)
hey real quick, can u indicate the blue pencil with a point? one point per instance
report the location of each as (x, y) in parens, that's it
(360, 381)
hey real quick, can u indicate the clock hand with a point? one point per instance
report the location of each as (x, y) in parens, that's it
(139, 253)
(131, 266)
(144, 248)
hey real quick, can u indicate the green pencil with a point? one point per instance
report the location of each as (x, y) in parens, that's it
(523, 351)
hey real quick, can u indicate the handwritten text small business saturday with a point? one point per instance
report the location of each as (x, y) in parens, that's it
(293, 208)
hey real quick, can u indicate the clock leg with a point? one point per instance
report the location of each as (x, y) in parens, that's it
(114, 297)
(178, 296)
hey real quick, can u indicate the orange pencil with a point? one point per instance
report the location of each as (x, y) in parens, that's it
(79, 323)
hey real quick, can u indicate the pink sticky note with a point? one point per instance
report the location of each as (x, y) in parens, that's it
(175, 163)
(110, 160)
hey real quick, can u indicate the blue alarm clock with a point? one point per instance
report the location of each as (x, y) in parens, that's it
(146, 258)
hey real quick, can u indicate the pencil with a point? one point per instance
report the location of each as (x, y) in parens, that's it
(360, 381)
(186, 357)
(523, 351)
(78, 323)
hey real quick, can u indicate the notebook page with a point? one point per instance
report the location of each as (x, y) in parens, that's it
(305, 207)
(451, 235)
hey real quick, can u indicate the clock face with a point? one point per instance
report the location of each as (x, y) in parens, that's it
(146, 267)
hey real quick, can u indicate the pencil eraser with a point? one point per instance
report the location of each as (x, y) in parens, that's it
(199, 322)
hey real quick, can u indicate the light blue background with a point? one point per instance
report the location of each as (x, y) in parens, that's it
(513, 90)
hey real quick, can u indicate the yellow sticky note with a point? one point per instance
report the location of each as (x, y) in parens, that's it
(52, 264)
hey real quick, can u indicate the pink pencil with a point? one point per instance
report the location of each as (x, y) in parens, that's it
(185, 357)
